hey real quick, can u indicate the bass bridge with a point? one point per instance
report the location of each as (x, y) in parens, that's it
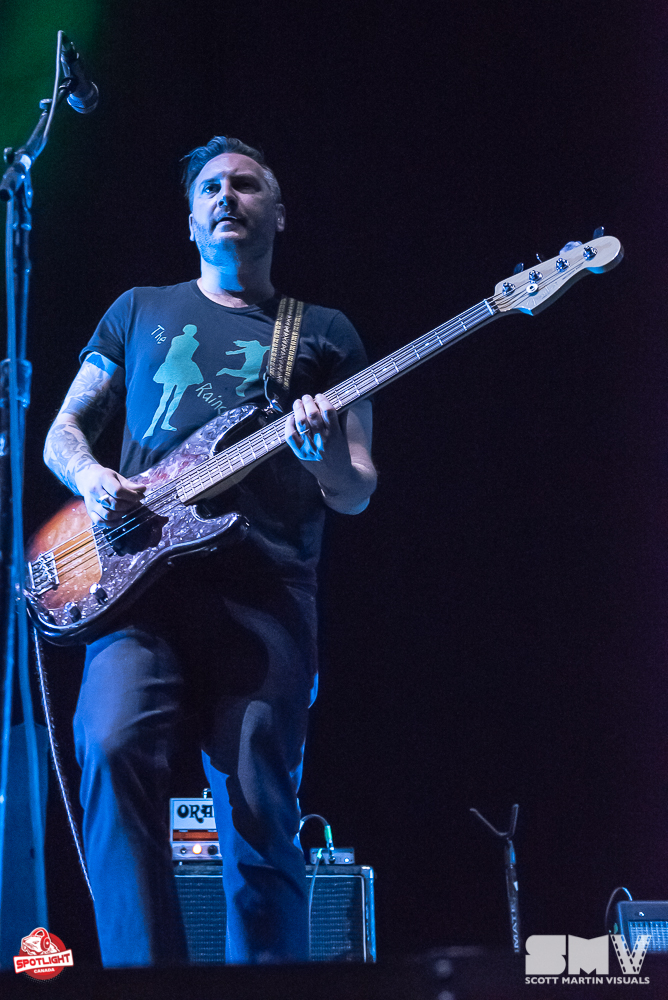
(43, 574)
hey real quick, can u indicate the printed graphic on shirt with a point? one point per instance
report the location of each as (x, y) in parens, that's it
(249, 373)
(176, 373)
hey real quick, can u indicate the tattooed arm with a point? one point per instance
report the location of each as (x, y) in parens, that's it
(92, 399)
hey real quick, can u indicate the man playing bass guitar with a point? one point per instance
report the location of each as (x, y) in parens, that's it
(228, 641)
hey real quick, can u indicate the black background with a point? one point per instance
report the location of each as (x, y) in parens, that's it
(493, 625)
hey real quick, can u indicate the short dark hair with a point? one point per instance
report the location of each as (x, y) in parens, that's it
(198, 158)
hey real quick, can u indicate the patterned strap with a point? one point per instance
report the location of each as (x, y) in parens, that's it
(283, 352)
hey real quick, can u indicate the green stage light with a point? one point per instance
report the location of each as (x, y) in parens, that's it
(28, 56)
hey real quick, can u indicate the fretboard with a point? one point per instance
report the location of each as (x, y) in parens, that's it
(261, 444)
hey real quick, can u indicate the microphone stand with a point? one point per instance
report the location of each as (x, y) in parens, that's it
(15, 373)
(509, 862)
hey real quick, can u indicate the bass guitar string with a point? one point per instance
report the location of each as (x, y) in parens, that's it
(274, 431)
(87, 549)
(482, 309)
(58, 551)
(196, 477)
(258, 442)
(154, 498)
(352, 388)
(358, 385)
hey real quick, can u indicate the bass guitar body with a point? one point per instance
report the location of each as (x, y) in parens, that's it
(80, 576)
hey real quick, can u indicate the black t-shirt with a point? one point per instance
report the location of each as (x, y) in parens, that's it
(187, 359)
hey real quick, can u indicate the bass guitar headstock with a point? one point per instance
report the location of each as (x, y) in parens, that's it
(534, 289)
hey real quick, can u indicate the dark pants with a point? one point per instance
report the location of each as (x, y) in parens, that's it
(243, 670)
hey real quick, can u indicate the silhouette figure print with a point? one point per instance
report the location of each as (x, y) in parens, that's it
(176, 373)
(250, 370)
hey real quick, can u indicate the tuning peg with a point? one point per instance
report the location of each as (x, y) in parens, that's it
(518, 268)
(539, 258)
(571, 245)
(599, 232)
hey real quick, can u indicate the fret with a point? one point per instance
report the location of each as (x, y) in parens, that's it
(231, 458)
(383, 366)
(220, 466)
(272, 437)
(413, 355)
(247, 451)
(343, 395)
(353, 390)
(194, 482)
(202, 474)
(277, 431)
(259, 445)
(429, 345)
(231, 461)
(334, 396)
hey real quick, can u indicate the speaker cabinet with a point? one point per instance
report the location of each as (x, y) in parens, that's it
(637, 916)
(342, 915)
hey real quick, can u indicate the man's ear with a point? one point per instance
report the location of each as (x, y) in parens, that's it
(190, 227)
(280, 218)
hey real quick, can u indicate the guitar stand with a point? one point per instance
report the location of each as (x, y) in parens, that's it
(509, 859)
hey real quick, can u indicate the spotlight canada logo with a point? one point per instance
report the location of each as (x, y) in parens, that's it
(545, 961)
(43, 955)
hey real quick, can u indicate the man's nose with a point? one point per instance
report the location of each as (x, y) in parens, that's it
(226, 195)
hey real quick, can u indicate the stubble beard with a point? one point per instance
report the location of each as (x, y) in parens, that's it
(219, 253)
(213, 251)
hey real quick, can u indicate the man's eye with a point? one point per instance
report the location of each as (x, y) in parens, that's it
(208, 188)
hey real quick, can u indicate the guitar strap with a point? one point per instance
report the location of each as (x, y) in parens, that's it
(283, 352)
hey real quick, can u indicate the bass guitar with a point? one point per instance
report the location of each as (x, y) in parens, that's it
(79, 576)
